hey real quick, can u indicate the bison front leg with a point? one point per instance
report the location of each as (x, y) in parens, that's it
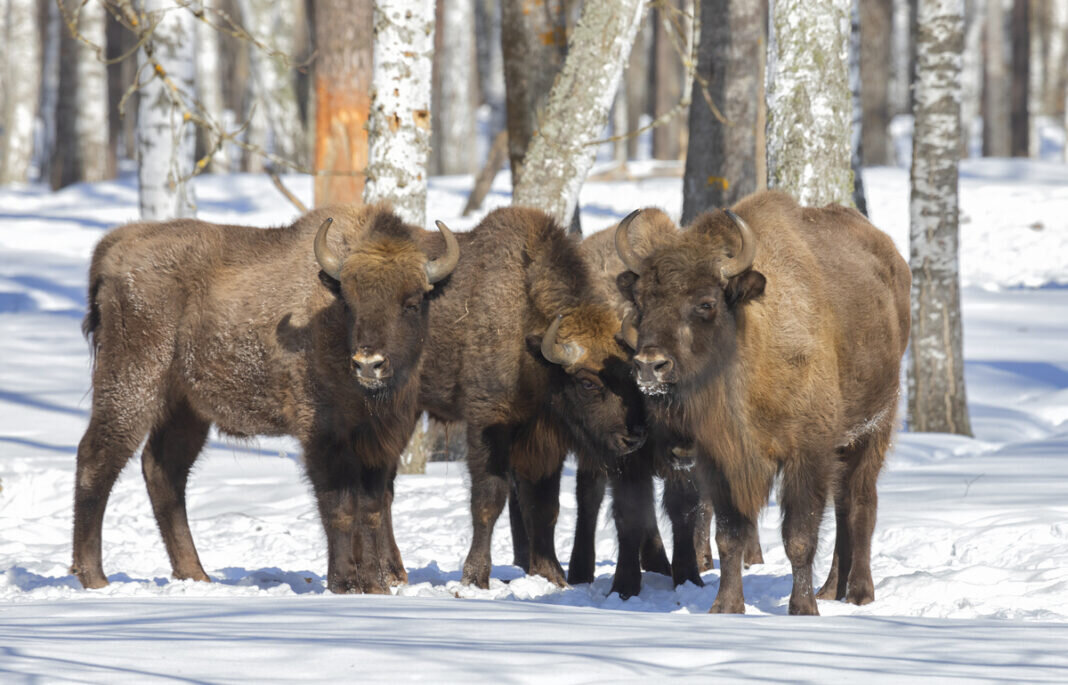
(487, 462)
(520, 542)
(682, 500)
(589, 493)
(803, 497)
(541, 507)
(396, 574)
(632, 502)
(732, 531)
(373, 542)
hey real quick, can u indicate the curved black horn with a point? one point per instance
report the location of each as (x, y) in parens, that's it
(744, 259)
(329, 261)
(443, 265)
(564, 355)
(629, 331)
(623, 248)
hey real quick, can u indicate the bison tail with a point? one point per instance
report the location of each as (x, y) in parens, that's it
(92, 316)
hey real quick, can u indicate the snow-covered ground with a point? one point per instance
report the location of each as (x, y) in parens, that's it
(969, 558)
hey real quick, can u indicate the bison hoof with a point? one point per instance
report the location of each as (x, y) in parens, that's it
(577, 576)
(860, 595)
(92, 582)
(727, 606)
(657, 563)
(550, 570)
(476, 576)
(397, 576)
(627, 584)
(803, 607)
(690, 573)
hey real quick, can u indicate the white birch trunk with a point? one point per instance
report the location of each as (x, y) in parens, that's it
(1057, 86)
(165, 140)
(399, 125)
(809, 103)
(209, 83)
(22, 78)
(937, 399)
(971, 78)
(900, 46)
(45, 138)
(559, 155)
(454, 109)
(1037, 78)
(275, 125)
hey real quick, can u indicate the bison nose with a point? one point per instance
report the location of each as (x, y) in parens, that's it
(631, 442)
(371, 365)
(653, 366)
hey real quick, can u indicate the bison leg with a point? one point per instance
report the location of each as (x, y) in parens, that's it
(335, 480)
(860, 500)
(541, 504)
(702, 540)
(373, 535)
(589, 493)
(396, 574)
(520, 542)
(165, 462)
(803, 498)
(752, 554)
(733, 529)
(835, 585)
(633, 509)
(682, 500)
(487, 462)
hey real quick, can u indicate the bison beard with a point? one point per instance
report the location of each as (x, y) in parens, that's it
(772, 338)
(305, 331)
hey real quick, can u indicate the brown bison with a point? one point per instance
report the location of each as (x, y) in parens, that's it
(525, 351)
(771, 337)
(315, 330)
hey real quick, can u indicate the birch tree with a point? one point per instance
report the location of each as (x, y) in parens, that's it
(343, 39)
(937, 400)
(996, 136)
(856, 145)
(809, 103)
(722, 149)
(876, 19)
(21, 79)
(1019, 83)
(49, 91)
(560, 156)
(971, 78)
(209, 80)
(165, 136)
(900, 98)
(454, 93)
(81, 145)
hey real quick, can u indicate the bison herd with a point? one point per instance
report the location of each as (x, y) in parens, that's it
(757, 342)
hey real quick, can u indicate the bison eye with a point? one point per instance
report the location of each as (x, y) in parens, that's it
(412, 306)
(705, 309)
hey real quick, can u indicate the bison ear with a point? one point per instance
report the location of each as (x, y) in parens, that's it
(744, 287)
(330, 283)
(625, 282)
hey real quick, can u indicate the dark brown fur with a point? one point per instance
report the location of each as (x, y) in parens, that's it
(797, 375)
(196, 324)
(518, 271)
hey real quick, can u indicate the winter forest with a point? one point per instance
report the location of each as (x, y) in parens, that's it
(533, 340)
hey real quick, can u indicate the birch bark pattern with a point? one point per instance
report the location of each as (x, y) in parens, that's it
(343, 35)
(165, 140)
(937, 400)
(809, 103)
(81, 146)
(559, 156)
(21, 80)
(721, 154)
(399, 126)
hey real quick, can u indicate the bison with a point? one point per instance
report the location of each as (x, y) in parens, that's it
(523, 349)
(307, 330)
(770, 337)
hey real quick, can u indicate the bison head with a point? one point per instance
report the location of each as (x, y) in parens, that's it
(591, 391)
(688, 294)
(381, 287)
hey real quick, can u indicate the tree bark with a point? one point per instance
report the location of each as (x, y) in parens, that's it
(490, 60)
(453, 149)
(996, 136)
(809, 104)
(559, 156)
(165, 139)
(672, 36)
(900, 98)
(636, 82)
(343, 37)
(49, 90)
(937, 400)
(856, 157)
(971, 78)
(875, 30)
(81, 146)
(721, 153)
(209, 87)
(1019, 118)
(21, 80)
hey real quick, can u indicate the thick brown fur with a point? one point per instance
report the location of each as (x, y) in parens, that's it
(518, 271)
(792, 369)
(195, 324)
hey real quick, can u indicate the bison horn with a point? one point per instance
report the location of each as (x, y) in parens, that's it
(328, 260)
(565, 354)
(629, 331)
(626, 252)
(744, 259)
(443, 265)
(684, 452)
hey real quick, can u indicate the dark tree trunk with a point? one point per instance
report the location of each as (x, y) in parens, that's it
(721, 153)
(875, 28)
(1021, 59)
(996, 136)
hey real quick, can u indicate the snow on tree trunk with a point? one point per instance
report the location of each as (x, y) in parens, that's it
(971, 78)
(721, 155)
(209, 82)
(275, 122)
(809, 105)
(874, 76)
(343, 36)
(453, 149)
(399, 127)
(559, 156)
(996, 137)
(165, 139)
(21, 80)
(81, 148)
(937, 401)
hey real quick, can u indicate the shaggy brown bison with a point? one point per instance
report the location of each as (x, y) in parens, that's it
(525, 351)
(315, 330)
(771, 337)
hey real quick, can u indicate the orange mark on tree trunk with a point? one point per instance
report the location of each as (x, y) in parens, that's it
(340, 142)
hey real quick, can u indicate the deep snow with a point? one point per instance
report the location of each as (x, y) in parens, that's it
(969, 553)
